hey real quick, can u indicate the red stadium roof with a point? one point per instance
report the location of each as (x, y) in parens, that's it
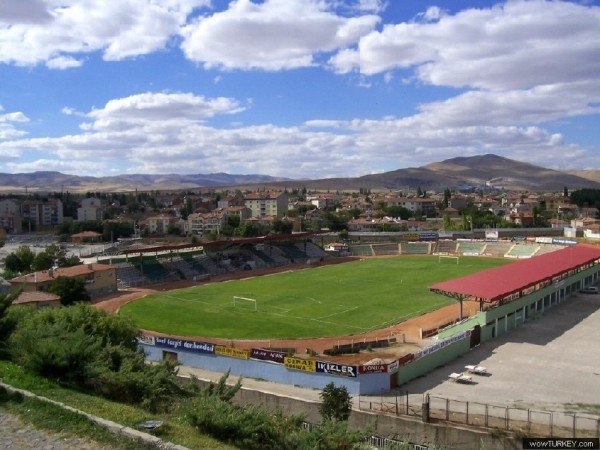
(494, 284)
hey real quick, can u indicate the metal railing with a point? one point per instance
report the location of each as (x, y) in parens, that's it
(528, 422)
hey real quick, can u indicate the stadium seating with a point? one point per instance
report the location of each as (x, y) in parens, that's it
(445, 247)
(152, 269)
(415, 248)
(361, 250)
(497, 249)
(522, 251)
(471, 248)
(128, 276)
(292, 252)
(385, 249)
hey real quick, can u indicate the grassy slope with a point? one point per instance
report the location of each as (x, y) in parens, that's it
(327, 301)
(45, 416)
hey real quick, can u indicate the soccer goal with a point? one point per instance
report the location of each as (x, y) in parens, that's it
(245, 303)
(449, 257)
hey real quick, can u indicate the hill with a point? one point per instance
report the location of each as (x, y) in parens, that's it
(456, 173)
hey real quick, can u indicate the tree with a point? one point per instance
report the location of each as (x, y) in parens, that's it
(26, 256)
(337, 403)
(7, 324)
(447, 197)
(70, 290)
(42, 261)
(14, 264)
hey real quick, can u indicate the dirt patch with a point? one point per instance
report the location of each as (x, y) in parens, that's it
(407, 334)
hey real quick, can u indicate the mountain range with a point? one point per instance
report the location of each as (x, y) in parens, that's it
(456, 173)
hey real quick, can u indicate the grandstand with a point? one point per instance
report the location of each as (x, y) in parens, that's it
(522, 251)
(445, 247)
(152, 269)
(548, 248)
(361, 250)
(128, 276)
(292, 252)
(471, 248)
(415, 248)
(385, 249)
(498, 249)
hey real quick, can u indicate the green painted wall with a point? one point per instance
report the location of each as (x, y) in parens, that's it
(429, 362)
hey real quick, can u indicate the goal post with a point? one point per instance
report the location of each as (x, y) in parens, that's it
(450, 257)
(246, 302)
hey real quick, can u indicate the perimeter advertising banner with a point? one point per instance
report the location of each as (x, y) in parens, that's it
(336, 369)
(491, 235)
(232, 352)
(181, 344)
(373, 368)
(304, 365)
(441, 344)
(409, 237)
(148, 340)
(267, 355)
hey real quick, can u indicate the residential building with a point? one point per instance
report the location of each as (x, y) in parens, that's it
(43, 212)
(99, 279)
(206, 223)
(10, 216)
(38, 299)
(159, 224)
(91, 209)
(267, 203)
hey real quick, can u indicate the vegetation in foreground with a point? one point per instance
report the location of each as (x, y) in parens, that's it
(85, 358)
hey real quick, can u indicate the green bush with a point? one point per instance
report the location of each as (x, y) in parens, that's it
(84, 347)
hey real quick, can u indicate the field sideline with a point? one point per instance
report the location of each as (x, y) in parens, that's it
(333, 300)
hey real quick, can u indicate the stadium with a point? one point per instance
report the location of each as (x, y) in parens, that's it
(461, 294)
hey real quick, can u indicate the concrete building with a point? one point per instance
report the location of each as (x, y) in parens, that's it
(267, 203)
(10, 215)
(91, 209)
(99, 279)
(43, 213)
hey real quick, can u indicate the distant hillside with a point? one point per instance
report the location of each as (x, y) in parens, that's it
(57, 182)
(463, 172)
(455, 173)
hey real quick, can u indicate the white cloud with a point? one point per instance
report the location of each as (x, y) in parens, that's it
(162, 133)
(517, 45)
(120, 29)
(7, 125)
(274, 35)
(141, 109)
(537, 105)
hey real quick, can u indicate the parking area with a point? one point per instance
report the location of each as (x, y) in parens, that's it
(551, 363)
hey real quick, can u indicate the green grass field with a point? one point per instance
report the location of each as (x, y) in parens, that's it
(334, 300)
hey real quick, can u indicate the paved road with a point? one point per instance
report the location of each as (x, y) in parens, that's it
(17, 435)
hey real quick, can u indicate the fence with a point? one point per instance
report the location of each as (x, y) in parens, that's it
(524, 421)
(387, 443)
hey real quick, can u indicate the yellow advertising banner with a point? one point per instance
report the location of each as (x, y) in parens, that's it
(232, 352)
(300, 364)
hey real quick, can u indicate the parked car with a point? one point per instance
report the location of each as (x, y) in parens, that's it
(589, 290)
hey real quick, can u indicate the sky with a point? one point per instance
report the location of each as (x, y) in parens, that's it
(295, 88)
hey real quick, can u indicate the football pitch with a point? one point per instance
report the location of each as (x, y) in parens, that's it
(334, 300)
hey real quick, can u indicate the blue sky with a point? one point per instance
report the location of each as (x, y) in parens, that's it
(295, 88)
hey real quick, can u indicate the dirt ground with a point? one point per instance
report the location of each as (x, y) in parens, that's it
(407, 333)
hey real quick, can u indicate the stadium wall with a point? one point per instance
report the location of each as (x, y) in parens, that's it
(359, 380)
(429, 358)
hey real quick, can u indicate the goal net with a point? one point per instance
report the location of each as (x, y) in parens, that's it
(245, 303)
(450, 258)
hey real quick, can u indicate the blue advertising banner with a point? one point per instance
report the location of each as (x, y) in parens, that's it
(183, 345)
